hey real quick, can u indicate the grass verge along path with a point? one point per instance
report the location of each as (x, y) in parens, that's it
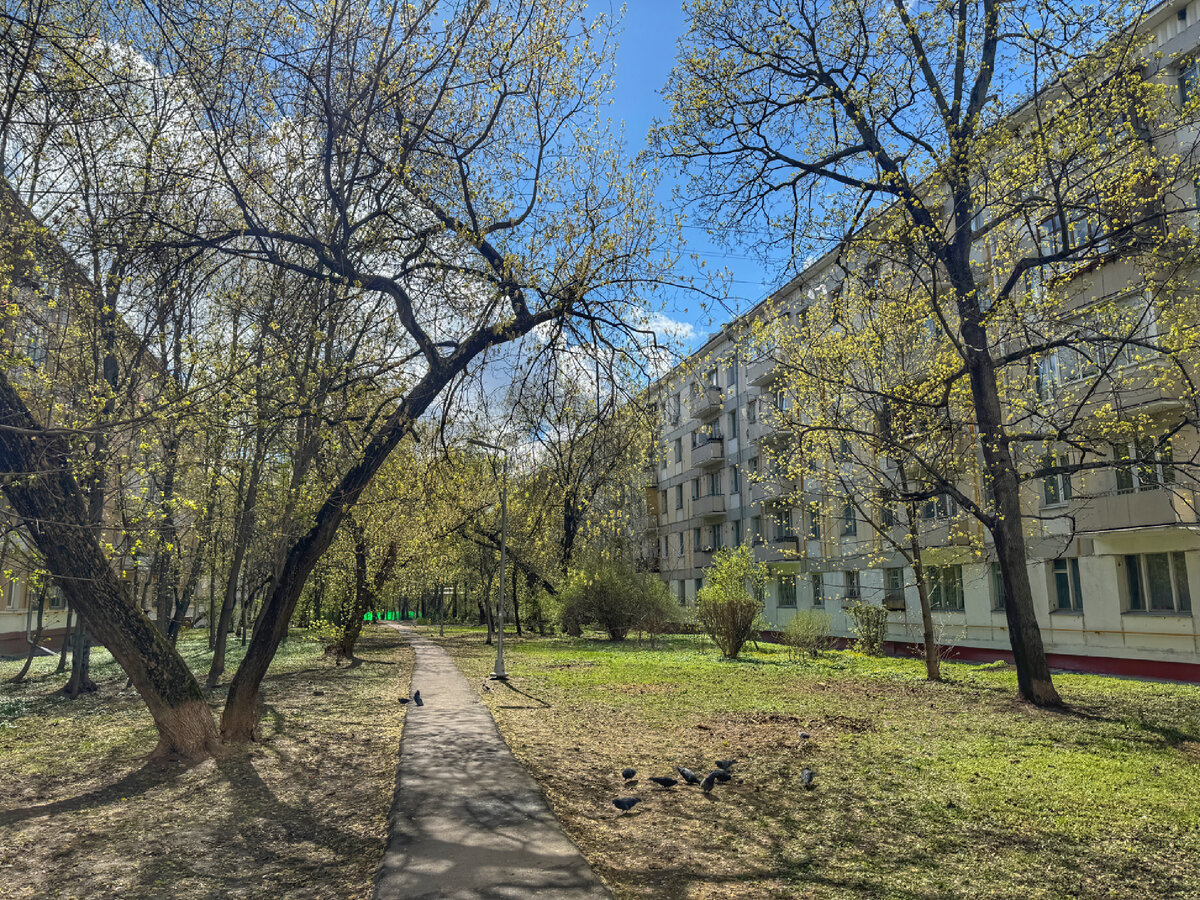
(922, 790)
(302, 814)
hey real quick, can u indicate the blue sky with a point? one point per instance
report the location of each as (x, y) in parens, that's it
(648, 34)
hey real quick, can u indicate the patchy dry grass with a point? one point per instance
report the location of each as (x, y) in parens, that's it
(303, 814)
(922, 790)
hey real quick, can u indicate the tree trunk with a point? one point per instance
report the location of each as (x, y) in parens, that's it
(515, 606)
(66, 642)
(50, 503)
(80, 681)
(241, 539)
(240, 719)
(37, 638)
(1029, 655)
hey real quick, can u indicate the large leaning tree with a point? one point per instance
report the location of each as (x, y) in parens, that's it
(974, 160)
(445, 164)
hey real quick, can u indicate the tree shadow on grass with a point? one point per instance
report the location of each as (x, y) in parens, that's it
(139, 781)
(541, 704)
(1169, 734)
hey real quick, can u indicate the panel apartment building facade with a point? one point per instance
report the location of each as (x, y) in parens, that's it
(1113, 576)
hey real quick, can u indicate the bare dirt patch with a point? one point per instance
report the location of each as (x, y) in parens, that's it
(303, 814)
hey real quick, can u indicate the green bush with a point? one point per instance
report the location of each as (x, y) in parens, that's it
(808, 632)
(608, 593)
(869, 624)
(730, 603)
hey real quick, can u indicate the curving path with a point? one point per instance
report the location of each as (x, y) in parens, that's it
(467, 820)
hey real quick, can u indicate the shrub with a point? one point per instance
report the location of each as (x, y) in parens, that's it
(869, 624)
(729, 604)
(607, 592)
(808, 632)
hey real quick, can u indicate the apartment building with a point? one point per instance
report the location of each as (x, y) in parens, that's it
(1114, 553)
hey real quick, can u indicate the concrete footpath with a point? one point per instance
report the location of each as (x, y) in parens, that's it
(467, 820)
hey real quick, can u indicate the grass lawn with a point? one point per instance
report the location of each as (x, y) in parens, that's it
(303, 814)
(922, 790)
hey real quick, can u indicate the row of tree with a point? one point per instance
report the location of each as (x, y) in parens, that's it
(299, 241)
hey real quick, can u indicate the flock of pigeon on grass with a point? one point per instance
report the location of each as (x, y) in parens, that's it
(720, 775)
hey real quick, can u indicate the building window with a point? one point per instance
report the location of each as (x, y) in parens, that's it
(732, 424)
(945, 586)
(696, 540)
(714, 483)
(662, 501)
(712, 379)
(737, 532)
(699, 585)
(735, 480)
(1056, 489)
(787, 591)
(682, 592)
(715, 537)
(1067, 595)
(12, 595)
(679, 496)
(887, 509)
(784, 530)
(756, 531)
(850, 580)
(816, 579)
(695, 488)
(943, 506)
(731, 373)
(752, 412)
(849, 519)
(681, 543)
(1154, 466)
(678, 450)
(1157, 582)
(1189, 82)
(893, 585)
(814, 521)
(998, 595)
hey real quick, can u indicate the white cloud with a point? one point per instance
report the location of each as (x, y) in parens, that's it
(670, 330)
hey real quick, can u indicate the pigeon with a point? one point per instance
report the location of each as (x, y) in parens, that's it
(629, 774)
(625, 804)
(403, 699)
(707, 784)
(806, 778)
(804, 735)
(664, 782)
(725, 763)
(688, 775)
(417, 698)
(721, 775)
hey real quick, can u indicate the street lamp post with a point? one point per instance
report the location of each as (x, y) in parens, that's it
(499, 674)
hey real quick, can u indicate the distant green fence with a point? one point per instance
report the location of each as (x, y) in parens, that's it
(388, 616)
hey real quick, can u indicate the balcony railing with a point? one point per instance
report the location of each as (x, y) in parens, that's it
(709, 507)
(709, 453)
(706, 403)
(762, 371)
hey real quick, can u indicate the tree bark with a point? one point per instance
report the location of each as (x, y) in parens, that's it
(1029, 654)
(47, 498)
(80, 681)
(66, 642)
